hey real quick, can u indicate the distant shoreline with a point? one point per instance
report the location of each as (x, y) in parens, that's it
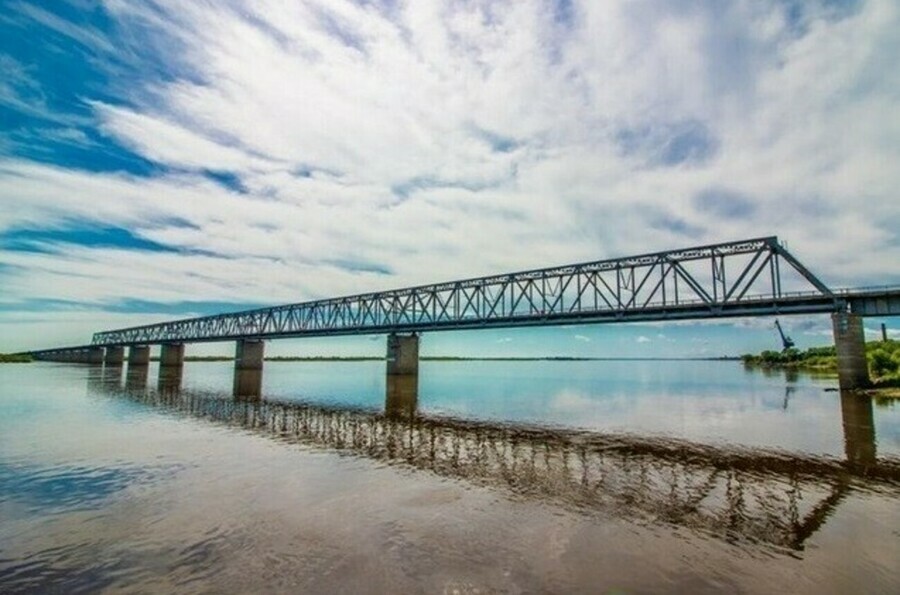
(17, 358)
(451, 358)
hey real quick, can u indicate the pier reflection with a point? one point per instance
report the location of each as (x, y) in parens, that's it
(859, 428)
(733, 493)
(170, 378)
(136, 377)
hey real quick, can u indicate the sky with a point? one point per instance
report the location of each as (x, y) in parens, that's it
(162, 159)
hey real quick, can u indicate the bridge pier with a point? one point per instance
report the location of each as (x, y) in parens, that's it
(138, 367)
(114, 356)
(248, 365)
(401, 396)
(93, 355)
(138, 355)
(402, 354)
(171, 355)
(402, 381)
(171, 366)
(850, 345)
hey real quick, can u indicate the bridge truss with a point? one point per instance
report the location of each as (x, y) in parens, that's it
(741, 278)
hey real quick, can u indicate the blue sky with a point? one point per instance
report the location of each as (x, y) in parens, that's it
(161, 158)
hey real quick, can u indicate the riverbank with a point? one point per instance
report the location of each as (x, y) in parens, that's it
(883, 358)
(16, 358)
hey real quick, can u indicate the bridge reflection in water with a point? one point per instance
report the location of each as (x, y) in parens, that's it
(725, 491)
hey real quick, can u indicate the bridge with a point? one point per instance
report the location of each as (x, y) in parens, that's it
(755, 277)
(723, 491)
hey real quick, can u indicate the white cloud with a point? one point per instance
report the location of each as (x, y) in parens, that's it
(643, 339)
(438, 141)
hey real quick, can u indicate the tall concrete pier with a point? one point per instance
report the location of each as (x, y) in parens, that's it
(171, 367)
(248, 365)
(138, 367)
(93, 355)
(248, 354)
(850, 344)
(138, 355)
(402, 354)
(115, 356)
(401, 396)
(171, 355)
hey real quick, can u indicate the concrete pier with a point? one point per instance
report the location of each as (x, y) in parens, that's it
(138, 367)
(171, 355)
(93, 355)
(115, 356)
(850, 344)
(247, 384)
(401, 396)
(248, 365)
(402, 354)
(138, 355)
(248, 354)
(171, 367)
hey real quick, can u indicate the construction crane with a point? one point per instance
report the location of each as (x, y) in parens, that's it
(786, 341)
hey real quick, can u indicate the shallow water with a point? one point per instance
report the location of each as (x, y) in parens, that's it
(486, 477)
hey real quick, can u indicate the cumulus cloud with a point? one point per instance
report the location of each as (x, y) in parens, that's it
(372, 145)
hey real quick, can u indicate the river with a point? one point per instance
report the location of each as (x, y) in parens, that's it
(486, 476)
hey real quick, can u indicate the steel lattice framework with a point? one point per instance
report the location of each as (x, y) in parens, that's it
(742, 278)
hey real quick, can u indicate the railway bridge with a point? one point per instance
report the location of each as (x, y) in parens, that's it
(754, 277)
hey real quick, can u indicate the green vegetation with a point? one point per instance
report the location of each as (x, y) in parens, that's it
(883, 356)
(14, 358)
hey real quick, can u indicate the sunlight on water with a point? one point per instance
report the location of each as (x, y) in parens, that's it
(479, 476)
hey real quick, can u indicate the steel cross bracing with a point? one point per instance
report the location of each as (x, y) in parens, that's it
(730, 279)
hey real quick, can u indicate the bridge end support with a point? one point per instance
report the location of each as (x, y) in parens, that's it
(850, 345)
(402, 354)
(248, 365)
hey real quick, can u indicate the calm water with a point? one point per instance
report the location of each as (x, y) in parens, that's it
(488, 477)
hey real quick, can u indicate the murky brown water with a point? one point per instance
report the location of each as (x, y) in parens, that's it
(108, 488)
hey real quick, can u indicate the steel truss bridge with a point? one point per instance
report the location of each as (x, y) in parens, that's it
(764, 496)
(753, 277)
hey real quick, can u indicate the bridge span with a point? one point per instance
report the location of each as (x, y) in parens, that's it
(755, 277)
